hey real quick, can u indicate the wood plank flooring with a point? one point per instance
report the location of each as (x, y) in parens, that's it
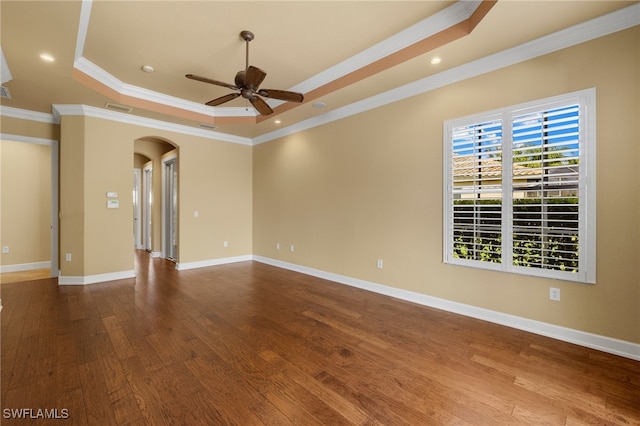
(250, 344)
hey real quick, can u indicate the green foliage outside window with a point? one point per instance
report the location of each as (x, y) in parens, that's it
(544, 236)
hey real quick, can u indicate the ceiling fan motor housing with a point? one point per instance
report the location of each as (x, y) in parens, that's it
(240, 78)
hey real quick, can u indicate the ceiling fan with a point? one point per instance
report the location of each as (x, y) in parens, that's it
(248, 83)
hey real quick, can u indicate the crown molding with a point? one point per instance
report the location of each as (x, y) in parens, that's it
(98, 74)
(24, 114)
(452, 15)
(90, 111)
(599, 27)
(608, 24)
(27, 139)
(92, 70)
(83, 26)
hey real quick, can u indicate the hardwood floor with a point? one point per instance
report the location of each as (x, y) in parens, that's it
(250, 344)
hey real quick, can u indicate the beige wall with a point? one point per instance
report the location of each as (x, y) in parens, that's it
(369, 187)
(214, 179)
(72, 211)
(97, 157)
(33, 129)
(139, 161)
(25, 202)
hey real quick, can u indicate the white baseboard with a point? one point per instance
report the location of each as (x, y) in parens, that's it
(25, 267)
(589, 340)
(582, 338)
(212, 262)
(93, 279)
(156, 254)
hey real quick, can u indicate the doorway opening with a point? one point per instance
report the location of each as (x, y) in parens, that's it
(30, 236)
(155, 215)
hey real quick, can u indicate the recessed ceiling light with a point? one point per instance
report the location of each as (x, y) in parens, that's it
(46, 57)
(277, 121)
(148, 68)
(319, 105)
(435, 60)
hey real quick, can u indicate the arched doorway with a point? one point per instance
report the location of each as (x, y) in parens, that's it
(158, 196)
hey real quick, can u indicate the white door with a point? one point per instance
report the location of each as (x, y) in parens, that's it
(170, 209)
(137, 209)
(147, 186)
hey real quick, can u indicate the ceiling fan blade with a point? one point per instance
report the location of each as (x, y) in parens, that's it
(259, 104)
(223, 99)
(253, 77)
(283, 95)
(208, 80)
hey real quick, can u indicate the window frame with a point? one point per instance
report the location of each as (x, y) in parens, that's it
(586, 100)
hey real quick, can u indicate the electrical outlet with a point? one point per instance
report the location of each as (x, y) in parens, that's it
(277, 246)
(379, 263)
(554, 294)
(5, 249)
(226, 244)
(292, 248)
(67, 257)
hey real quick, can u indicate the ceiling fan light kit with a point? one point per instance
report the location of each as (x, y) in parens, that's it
(247, 82)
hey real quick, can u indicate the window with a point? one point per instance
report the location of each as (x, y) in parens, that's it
(520, 189)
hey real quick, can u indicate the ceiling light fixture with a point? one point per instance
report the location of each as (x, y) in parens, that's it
(148, 68)
(319, 105)
(277, 121)
(435, 60)
(46, 57)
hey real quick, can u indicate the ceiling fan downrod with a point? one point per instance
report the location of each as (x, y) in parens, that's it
(247, 36)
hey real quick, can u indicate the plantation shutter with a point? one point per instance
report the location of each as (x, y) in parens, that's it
(545, 189)
(477, 191)
(520, 189)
